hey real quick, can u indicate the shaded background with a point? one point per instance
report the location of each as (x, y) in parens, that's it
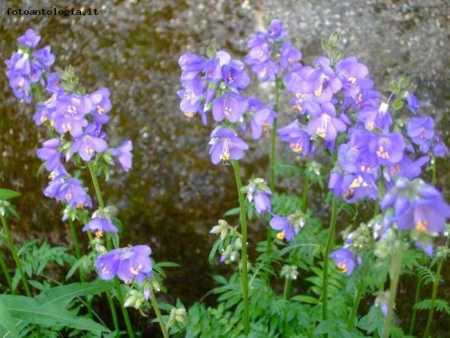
(174, 195)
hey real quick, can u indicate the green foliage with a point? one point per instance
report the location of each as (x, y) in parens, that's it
(440, 305)
(6, 194)
(50, 309)
(36, 258)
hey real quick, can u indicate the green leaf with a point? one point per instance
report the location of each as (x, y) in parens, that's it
(7, 324)
(211, 52)
(306, 299)
(28, 310)
(233, 211)
(63, 295)
(398, 104)
(6, 194)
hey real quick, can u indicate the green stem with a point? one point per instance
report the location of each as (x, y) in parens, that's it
(273, 149)
(394, 276)
(433, 298)
(7, 275)
(287, 288)
(113, 312)
(78, 255)
(15, 256)
(326, 259)
(158, 314)
(98, 191)
(351, 320)
(243, 219)
(433, 166)
(305, 193)
(75, 239)
(101, 204)
(416, 300)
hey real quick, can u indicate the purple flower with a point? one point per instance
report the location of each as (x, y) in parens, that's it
(191, 65)
(427, 214)
(72, 192)
(50, 154)
(388, 148)
(128, 264)
(376, 117)
(266, 71)
(413, 103)
(298, 139)
(260, 53)
(416, 205)
(230, 106)
(86, 146)
(289, 55)
(44, 57)
(262, 117)
(287, 230)
(355, 187)
(101, 105)
(421, 131)
(191, 97)
(124, 156)
(54, 83)
(259, 193)
(226, 145)
(30, 39)
(99, 225)
(234, 75)
(275, 30)
(427, 247)
(20, 86)
(70, 114)
(344, 259)
(262, 202)
(351, 73)
(326, 125)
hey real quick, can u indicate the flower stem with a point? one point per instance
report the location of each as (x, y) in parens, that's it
(124, 309)
(113, 311)
(243, 219)
(351, 319)
(101, 204)
(7, 275)
(273, 138)
(305, 193)
(394, 276)
(433, 297)
(416, 299)
(273, 149)
(78, 255)
(15, 256)
(75, 239)
(98, 191)
(158, 314)
(326, 259)
(287, 288)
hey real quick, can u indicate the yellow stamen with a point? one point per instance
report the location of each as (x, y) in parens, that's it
(370, 126)
(318, 92)
(382, 153)
(321, 132)
(189, 115)
(99, 234)
(100, 109)
(421, 226)
(296, 147)
(43, 119)
(281, 236)
(352, 80)
(343, 267)
(265, 127)
(298, 107)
